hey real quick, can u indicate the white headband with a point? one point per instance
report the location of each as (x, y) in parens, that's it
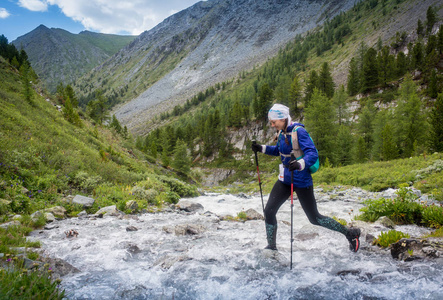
(279, 112)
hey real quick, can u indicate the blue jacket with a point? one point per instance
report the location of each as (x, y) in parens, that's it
(301, 178)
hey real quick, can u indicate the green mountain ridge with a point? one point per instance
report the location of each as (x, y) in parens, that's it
(60, 56)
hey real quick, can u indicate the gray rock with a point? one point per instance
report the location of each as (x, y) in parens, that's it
(189, 206)
(131, 228)
(35, 216)
(49, 217)
(109, 210)
(386, 222)
(82, 200)
(185, 229)
(12, 223)
(82, 214)
(57, 211)
(252, 214)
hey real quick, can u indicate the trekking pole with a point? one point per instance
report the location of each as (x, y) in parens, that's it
(259, 181)
(292, 209)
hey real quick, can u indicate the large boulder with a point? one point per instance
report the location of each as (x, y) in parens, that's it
(189, 206)
(82, 200)
(408, 249)
(109, 211)
(252, 214)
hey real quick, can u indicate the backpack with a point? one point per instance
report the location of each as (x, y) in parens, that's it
(298, 153)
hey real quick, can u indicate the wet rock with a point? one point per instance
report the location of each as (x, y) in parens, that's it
(131, 228)
(51, 226)
(252, 214)
(82, 200)
(267, 258)
(82, 214)
(59, 267)
(306, 236)
(408, 249)
(167, 261)
(185, 229)
(189, 206)
(109, 211)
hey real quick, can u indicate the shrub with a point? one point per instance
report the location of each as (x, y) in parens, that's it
(387, 238)
(168, 197)
(16, 283)
(433, 216)
(86, 182)
(179, 187)
(402, 210)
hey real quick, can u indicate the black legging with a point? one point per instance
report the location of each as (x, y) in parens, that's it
(281, 192)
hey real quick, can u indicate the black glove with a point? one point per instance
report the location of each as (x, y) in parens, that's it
(256, 147)
(294, 165)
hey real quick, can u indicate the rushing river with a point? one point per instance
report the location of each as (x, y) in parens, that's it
(226, 260)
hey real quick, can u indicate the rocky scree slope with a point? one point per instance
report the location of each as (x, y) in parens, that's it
(207, 43)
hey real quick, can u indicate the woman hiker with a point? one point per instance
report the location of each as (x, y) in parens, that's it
(281, 120)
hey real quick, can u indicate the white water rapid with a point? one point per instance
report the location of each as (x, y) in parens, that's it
(226, 260)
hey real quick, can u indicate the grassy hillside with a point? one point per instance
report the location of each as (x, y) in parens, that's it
(44, 158)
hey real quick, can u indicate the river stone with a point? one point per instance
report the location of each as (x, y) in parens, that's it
(267, 258)
(109, 210)
(131, 205)
(82, 200)
(167, 261)
(57, 211)
(131, 228)
(386, 222)
(408, 249)
(82, 214)
(188, 229)
(49, 217)
(12, 223)
(252, 214)
(17, 217)
(189, 206)
(59, 267)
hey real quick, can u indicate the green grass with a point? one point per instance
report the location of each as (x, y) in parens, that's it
(387, 238)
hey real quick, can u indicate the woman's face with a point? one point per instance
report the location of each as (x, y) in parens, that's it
(278, 124)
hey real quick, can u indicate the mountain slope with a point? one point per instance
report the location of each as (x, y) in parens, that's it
(207, 43)
(60, 56)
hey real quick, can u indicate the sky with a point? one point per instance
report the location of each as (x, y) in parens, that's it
(126, 17)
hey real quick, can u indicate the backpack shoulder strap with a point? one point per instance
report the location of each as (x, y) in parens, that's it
(298, 153)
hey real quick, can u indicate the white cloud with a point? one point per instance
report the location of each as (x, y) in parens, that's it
(117, 16)
(4, 13)
(34, 5)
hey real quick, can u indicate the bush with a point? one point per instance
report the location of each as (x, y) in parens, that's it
(179, 187)
(401, 210)
(387, 238)
(17, 283)
(168, 197)
(433, 216)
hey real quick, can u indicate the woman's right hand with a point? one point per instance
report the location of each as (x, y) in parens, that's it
(256, 147)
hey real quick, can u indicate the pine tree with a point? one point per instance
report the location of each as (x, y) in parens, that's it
(386, 65)
(389, 148)
(432, 90)
(431, 19)
(310, 86)
(345, 142)
(181, 161)
(361, 151)
(440, 40)
(401, 64)
(370, 72)
(420, 28)
(320, 121)
(340, 101)
(264, 101)
(353, 78)
(325, 82)
(409, 120)
(436, 121)
(365, 127)
(295, 95)
(70, 113)
(116, 124)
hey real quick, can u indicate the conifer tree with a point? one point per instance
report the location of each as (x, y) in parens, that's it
(340, 101)
(295, 95)
(420, 28)
(353, 78)
(320, 121)
(265, 95)
(361, 151)
(436, 121)
(181, 161)
(116, 124)
(431, 19)
(389, 148)
(345, 142)
(70, 113)
(325, 81)
(310, 86)
(409, 120)
(401, 64)
(386, 65)
(27, 88)
(370, 75)
(440, 40)
(365, 127)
